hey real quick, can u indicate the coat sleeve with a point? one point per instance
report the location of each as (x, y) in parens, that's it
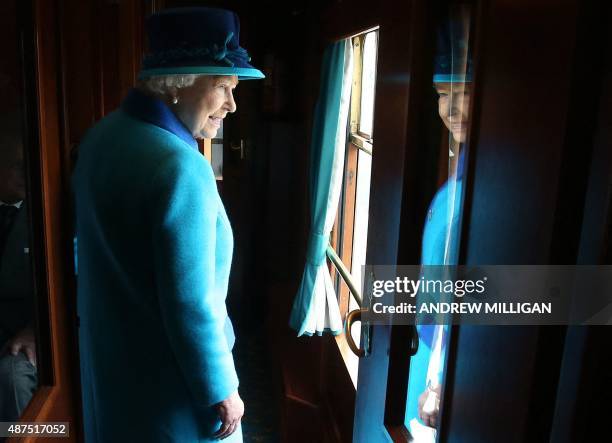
(184, 215)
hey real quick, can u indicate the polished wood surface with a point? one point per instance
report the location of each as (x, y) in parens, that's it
(59, 401)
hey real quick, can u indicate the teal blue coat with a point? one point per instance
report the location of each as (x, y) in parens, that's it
(438, 225)
(154, 255)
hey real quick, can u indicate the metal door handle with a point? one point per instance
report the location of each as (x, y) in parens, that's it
(352, 317)
(238, 148)
(414, 341)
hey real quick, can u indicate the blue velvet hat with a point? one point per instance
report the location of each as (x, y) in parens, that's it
(196, 41)
(453, 61)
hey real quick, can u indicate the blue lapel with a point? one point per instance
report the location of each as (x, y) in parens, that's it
(152, 110)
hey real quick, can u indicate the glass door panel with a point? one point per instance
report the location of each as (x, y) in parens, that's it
(452, 85)
(23, 295)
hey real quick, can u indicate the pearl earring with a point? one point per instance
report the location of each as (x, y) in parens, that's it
(175, 100)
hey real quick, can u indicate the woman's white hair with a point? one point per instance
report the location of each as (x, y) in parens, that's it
(167, 84)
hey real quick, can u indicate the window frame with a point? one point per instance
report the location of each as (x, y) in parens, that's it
(342, 234)
(206, 149)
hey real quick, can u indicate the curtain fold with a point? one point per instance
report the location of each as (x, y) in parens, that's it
(315, 308)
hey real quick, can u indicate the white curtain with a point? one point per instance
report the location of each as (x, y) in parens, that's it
(316, 309)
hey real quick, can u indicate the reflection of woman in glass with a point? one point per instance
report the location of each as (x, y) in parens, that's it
(452, 82)
(440, 233)
(453, 107)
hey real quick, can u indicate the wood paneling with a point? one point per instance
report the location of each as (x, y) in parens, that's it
(79, 68)
(102, 48)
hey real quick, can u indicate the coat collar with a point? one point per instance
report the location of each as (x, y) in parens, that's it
(461, 164)
(152, 110)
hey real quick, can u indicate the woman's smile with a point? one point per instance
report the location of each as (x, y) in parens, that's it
(460, 126)
(216, 121)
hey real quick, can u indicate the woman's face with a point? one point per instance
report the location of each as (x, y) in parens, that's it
(202, 106)
(453, 107)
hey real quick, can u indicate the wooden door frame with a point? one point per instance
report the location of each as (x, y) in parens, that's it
(58, 397)
(400, 186)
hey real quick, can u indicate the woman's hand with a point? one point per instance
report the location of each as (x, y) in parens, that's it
(429, 406)
(25, 342)
(230, 412)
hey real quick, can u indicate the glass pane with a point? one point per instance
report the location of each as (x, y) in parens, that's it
(352, 362)
(360, 239)
(449, 112)
(368, 82)
(18, 366)
(220, 132)
(217, 160)
(362, 201)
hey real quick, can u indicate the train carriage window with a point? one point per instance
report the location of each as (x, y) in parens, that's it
(213, 151)
(217, 159)
(350, 231)
(217, 154)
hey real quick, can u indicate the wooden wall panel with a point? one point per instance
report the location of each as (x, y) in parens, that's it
(79, 68)
(130, 31)
(102, 46)
(108, 34)
(10, 72)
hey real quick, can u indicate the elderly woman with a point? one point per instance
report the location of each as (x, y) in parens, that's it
(155, 244)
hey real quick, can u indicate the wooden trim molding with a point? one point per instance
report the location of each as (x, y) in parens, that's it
(57, 401)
